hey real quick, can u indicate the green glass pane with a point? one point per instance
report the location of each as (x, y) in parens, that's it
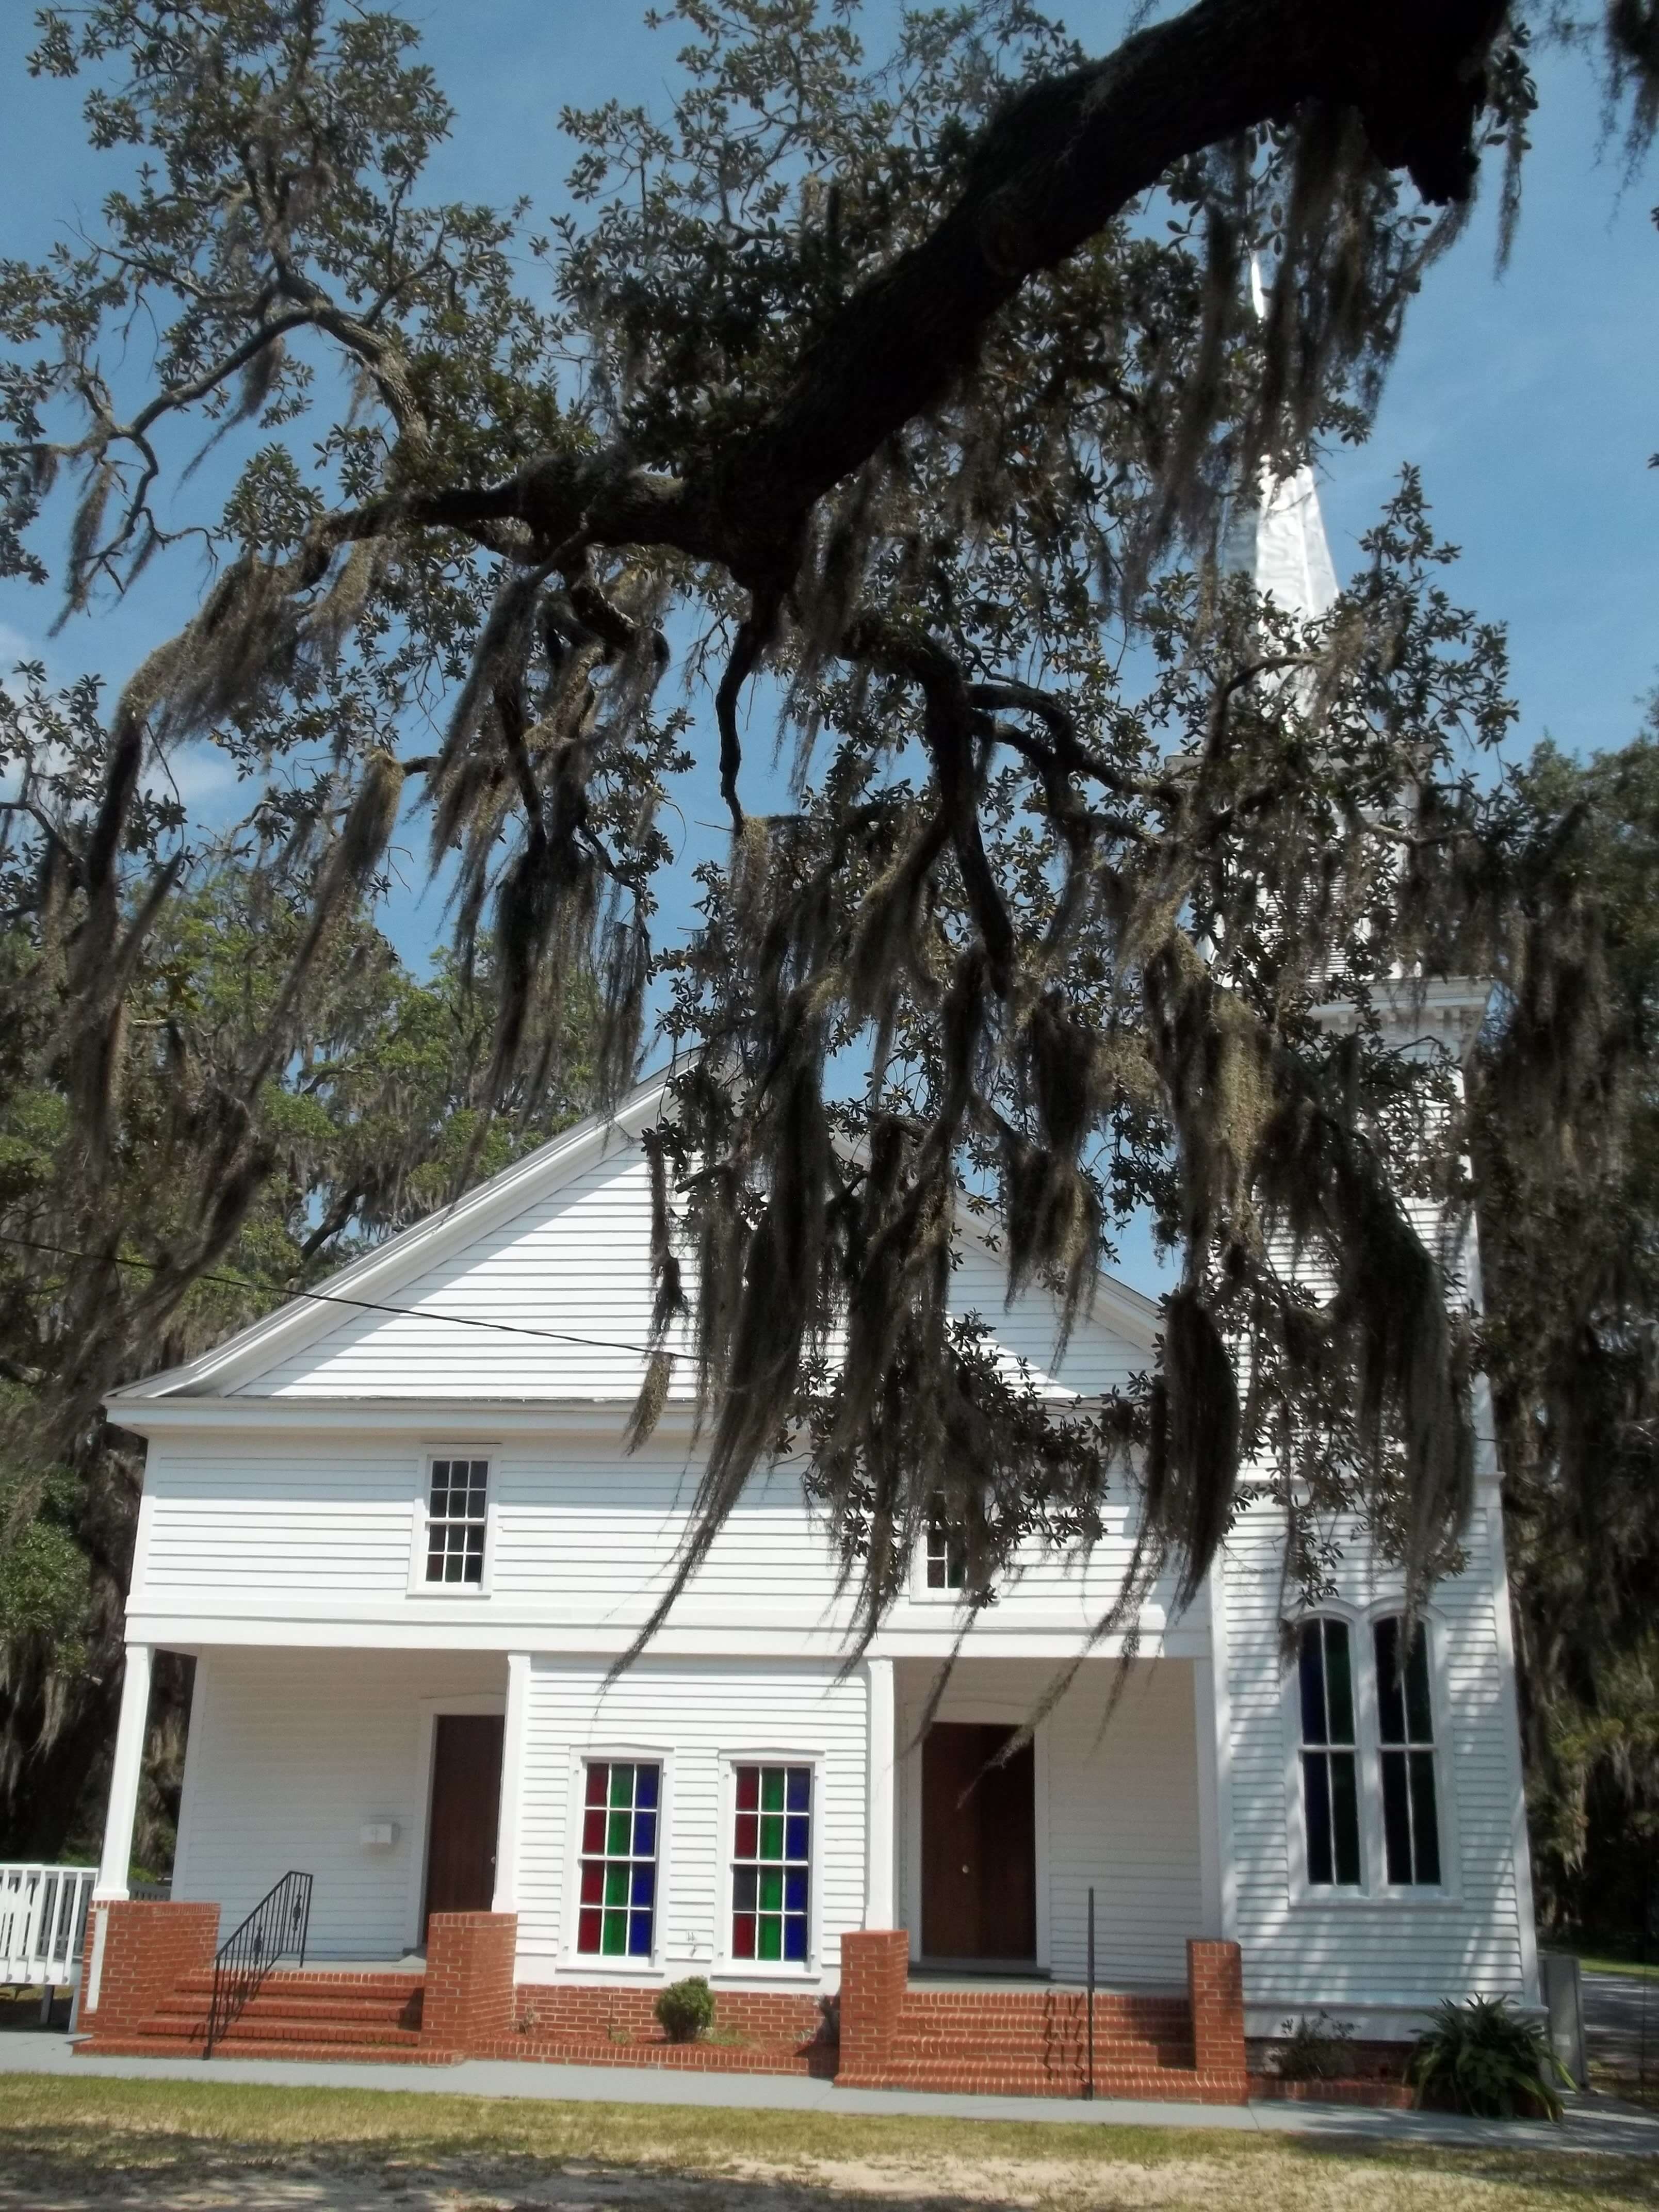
(771, 1936)
(616, 1935)
(616, 1885)
(771, 1889)
(771, 1789)
(618, 1828)
(771, 1835)
(622, 1785)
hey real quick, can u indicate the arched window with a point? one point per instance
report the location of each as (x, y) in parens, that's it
(1405, 1728)
(1330, 1790)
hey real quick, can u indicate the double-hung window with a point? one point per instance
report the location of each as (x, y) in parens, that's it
(772, 1862)
(621, 1816)
(1404, 1729)
(457, 1501)
(1330, 1757)
(946, 1556)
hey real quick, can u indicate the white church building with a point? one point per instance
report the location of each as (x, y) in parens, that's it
(397, 1530)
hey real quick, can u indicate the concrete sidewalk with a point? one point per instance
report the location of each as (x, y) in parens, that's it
(1591, 2124)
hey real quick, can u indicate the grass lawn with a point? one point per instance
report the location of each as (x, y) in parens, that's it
(1598, 1962)
(65, 2145)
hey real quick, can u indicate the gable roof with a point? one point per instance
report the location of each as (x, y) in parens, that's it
(451, 1308)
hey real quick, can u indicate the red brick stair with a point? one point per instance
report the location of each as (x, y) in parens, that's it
(1034, 2042)
(293, 2014)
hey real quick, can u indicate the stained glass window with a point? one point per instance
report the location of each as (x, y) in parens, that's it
(455, 1521)
(1405, 1724)
(772, 1863)
(1330, 1794)
(620, 1812)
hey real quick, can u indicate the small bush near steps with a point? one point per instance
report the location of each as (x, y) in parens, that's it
(685, 2010)
(1316, 2049)
(1485, 2059)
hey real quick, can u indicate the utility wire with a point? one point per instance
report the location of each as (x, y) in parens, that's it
(338, 1299)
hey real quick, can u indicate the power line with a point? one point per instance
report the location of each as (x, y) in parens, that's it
(338, 1299)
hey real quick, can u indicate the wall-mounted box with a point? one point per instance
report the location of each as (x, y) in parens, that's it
(378, 1835)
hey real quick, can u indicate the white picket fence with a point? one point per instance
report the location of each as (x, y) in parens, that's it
(43, 1923)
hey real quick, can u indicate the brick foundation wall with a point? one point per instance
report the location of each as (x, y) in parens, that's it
(148, 1950)
(1215, 1990)
(469, 2000)
(875, 1972)
(627, 2011)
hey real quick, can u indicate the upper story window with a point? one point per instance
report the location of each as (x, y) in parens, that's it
(457, 1501)
(1330, 1781)
(1404, 1729)
(772, 1863)
(946, 1556)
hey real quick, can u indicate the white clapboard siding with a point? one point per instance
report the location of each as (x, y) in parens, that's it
(1121, 1810)
(694, 1715)
(576, 1261)
(583, 1536)
(289, 1753)
(1302, 1951)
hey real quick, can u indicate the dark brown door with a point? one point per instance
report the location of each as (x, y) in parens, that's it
(978, 1845)
(466, 1795)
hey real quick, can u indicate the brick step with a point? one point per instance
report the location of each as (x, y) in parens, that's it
(366, 2012)
(1057, 2052)
(1140, 2015)
(990, 2077)
(140, 2045)
(266, 2030)
(287, 1981)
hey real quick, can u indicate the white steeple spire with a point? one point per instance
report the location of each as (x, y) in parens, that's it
(1292, 559)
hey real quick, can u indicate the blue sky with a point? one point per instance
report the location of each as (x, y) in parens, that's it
(1529, 401)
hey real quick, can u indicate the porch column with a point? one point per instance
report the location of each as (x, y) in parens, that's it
(878, 1835)
(125, 1774)
(514, 1735)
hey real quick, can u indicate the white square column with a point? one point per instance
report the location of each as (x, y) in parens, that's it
(879, 1802)
(515, 1739)
(126, 1772)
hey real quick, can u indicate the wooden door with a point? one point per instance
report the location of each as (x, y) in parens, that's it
(466, 1795)
(978, 1845)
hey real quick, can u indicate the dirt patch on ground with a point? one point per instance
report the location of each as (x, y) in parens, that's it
(174, 2177)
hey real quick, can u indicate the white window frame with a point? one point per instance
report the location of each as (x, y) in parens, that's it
(450, 1593)
(593, 1965)
(1374, 1889)
(736, 1972)
(920, 1591)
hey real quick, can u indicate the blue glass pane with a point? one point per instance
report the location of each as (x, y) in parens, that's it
(800, 1829)
(639, 1934)
(644, 1835)
(794, 1936)
(794, 1890)
(645, 1884)
(800, 1789)
(644, 1786)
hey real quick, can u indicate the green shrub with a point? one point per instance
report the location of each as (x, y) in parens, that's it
(1482, 2058)
(1316, 2049)
(686, 2009)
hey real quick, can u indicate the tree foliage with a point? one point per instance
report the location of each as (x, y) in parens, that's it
(911, 395)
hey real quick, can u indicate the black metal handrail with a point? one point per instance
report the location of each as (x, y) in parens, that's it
(278, 1924)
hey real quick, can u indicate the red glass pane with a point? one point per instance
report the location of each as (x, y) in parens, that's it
(597, 1776)
(592, 1882)
(748, 1789)
(743, 1934)
(588, 1931)
(747, 1825)
(593, 1830)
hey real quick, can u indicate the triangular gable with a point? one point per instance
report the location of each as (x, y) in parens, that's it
(538, 1289)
